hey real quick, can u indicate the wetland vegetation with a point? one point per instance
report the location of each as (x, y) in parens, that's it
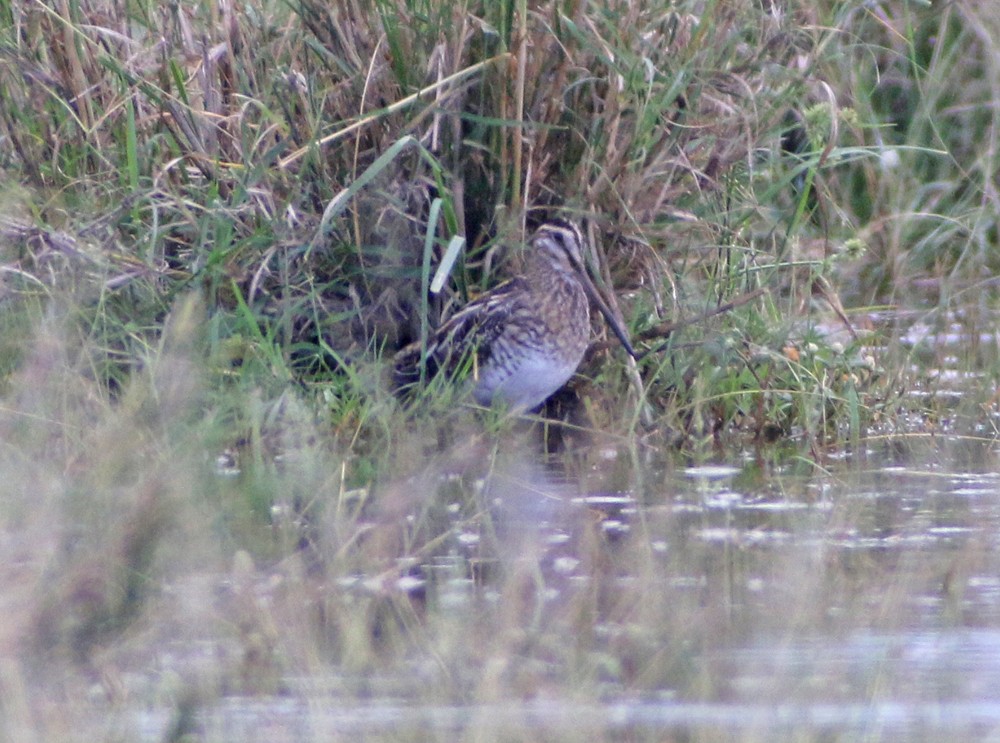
(219, 221)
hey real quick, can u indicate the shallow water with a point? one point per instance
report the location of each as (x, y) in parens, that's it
(297, 719)
(740, 601)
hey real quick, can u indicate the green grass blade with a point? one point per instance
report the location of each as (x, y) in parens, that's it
(425, 272)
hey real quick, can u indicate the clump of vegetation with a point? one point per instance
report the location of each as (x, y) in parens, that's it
(220, 221)
(303, 167)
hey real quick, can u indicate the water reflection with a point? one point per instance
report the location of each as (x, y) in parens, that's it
(296, 720)
(715, 602)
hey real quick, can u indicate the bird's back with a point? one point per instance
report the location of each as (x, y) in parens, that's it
(522, 340)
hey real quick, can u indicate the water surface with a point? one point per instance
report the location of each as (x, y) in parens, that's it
(740, 600)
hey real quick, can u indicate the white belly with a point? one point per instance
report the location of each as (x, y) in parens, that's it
(525, 386)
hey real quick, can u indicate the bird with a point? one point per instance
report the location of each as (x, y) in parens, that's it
(523, 339)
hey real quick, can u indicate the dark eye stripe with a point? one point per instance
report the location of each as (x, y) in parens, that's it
(566, 236)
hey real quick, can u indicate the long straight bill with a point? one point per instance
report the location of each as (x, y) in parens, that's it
(613, 323)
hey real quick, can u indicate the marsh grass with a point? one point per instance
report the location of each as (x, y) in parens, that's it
(218, 226)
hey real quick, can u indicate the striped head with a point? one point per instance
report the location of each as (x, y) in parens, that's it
(560, 246)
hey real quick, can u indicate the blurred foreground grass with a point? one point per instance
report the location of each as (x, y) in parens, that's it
(217, 220)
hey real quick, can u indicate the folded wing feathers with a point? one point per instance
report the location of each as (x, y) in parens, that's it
(473, 328)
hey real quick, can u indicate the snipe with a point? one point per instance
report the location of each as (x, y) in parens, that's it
(525, 338)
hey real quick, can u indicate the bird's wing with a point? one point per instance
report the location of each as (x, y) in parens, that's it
(473, 328)
(481, 321)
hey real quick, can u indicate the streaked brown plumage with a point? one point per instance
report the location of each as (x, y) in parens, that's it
(525, 338)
